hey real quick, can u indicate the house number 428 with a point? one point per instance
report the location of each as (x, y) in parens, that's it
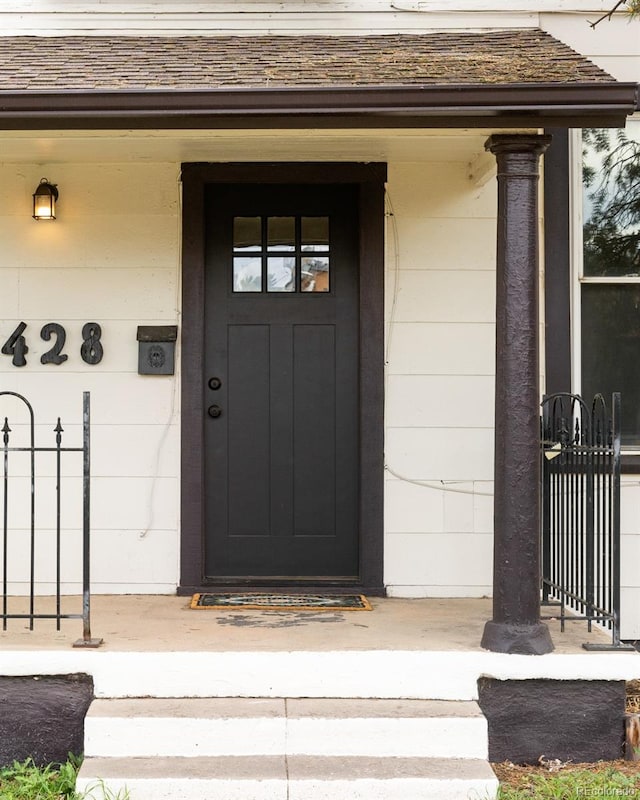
(91, 349)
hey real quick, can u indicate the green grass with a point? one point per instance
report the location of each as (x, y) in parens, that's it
(25, 781)
(573, 785)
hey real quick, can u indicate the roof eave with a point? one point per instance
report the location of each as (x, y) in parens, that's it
(597, 104)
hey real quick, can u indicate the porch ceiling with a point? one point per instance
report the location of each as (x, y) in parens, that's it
(397, 145)
(510, 77)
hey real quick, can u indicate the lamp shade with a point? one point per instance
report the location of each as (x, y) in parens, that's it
(44, 200)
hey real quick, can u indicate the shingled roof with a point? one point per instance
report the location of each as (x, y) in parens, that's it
(109, 63)
(512, 77)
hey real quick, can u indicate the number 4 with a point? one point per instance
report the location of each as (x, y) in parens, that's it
(16, 346)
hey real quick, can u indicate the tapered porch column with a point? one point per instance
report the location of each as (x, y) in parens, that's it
(516, 625)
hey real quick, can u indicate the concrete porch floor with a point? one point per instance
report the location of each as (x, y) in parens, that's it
(146, 623)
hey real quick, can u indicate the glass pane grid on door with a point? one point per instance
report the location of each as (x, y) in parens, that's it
(281, 254)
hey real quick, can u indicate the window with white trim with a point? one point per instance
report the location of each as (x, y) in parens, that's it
(609, 277)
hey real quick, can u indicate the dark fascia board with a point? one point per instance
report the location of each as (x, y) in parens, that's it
(513, 105)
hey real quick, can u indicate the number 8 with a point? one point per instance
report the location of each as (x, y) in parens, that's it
(91, 350)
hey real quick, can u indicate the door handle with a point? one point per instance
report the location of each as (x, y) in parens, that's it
(214, 411)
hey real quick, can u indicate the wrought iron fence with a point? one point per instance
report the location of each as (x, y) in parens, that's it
(581, 510)
(9, 453)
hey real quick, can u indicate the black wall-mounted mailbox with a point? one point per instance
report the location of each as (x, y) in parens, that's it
(156, 349)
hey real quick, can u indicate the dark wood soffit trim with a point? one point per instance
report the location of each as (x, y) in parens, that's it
(614, 119)
(328, 98)
(240, 107)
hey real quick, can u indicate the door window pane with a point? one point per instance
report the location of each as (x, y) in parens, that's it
(281, 274)
(315, 234)
(296, 257)
(247, 274)
(281, 233)
(247, 233)
(315, 274)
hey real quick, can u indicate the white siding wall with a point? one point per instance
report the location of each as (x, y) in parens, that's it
(613, 45)
(440, 381)
(43, 17)
(110, 257)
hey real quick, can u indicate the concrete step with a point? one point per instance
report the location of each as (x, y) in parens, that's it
(213, 727)
(418, 674)
(289, 778)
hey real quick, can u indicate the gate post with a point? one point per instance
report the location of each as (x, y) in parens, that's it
(516, 625)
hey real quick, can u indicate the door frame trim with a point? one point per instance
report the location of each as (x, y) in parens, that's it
(370, 179)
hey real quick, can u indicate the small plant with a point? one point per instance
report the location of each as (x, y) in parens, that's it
(100, 791)
(25, 781)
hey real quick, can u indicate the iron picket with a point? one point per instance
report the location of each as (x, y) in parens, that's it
(60, 451)
(580, 543)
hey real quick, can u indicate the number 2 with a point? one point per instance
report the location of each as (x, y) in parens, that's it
(54, 355)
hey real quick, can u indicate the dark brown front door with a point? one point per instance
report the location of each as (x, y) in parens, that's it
(281, 378)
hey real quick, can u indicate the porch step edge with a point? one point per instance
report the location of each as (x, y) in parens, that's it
(253, 707)
(293, 777)
(218, 727)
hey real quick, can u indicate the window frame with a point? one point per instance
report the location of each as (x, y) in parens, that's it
(575, 201)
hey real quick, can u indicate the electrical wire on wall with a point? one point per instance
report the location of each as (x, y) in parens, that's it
(174, 390)
(442, 486)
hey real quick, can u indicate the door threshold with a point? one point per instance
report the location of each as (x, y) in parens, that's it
(284, 588)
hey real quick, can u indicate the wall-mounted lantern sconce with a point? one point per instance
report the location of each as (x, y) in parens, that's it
(44, 200)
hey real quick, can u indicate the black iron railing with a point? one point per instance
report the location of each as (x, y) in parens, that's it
(29, 517)
(581, 510)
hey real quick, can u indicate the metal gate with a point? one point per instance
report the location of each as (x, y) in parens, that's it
(25, 518)
(581, 510)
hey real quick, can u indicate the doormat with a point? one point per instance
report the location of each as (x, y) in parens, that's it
(281, 602)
